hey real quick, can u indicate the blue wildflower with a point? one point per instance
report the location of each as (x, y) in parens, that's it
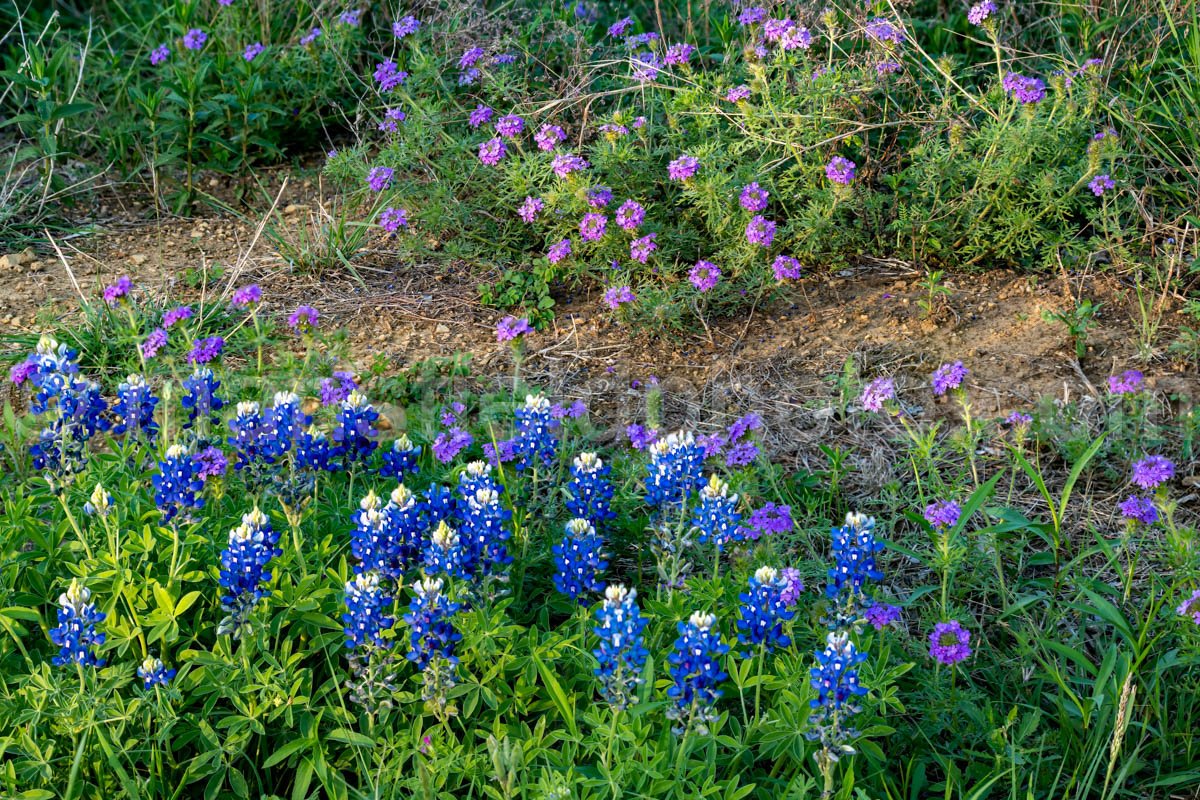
(854, 549)
(177, 486)
(445, 553)
(695, 668)
(430, 620)
(244, 575)
(154, 672)
(76, 633)
(134, 409)
(590, 491)
(580, 560)
(675, 469)
(484, 534)
(716, 517)
(764, 611)
(400, 459)
(200, 398)
(354, 428)
(366, 617)
(622, 652)
(535, 439)
(835, 679)
(253, 436)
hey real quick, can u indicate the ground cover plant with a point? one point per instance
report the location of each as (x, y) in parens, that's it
(227, 573)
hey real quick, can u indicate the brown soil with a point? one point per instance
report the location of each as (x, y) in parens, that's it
(780, 361)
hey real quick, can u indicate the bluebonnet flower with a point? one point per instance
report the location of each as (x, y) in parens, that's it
(590, 490)
(400, 459)
(354, 429)
(854, 549)
(484, 534)
(177, 485)
(286, 420)
(477, 475)
(200, 397)
(535, 439)
(716, 517)
(439, 504)
(835, 679)
(432, 634)
(949, 643)
(405, 524)
(445, 553)
(154, 672)
(99, 504)
(579, 558)
(252, 435)
(244, 575)
(366, 617)
(695, 668)
(675, 469)
(764, 611)
(76, 633)
(314, 451)
(622, 652)
(134, 409)
(369, 541)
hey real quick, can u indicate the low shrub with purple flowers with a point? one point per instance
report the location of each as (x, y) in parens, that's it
(231, 550)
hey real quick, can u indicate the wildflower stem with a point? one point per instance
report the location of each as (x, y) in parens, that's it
(62, 499)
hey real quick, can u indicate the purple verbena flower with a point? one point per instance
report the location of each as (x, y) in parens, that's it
(949, 643)
(1100, 184)
(943, 514)
(206, 350)
(881, 615)
(380, 178)
(492, 151)
(630, 215)
(786, 268)
(1139, 509)
(840, 170)
(760, 231)
(393, 219)
(511, 327)
(592, 227)
(246, 295)
(159, 54)
(480, 116)
(252, 51)
(683, 168)
(118, 291)
(948, 376)
(640, 249)
(1130, 381)
(615, 296)
(529, 209)
(753, 197)
(559, 251)
(156, 340)
(704, 275)
(177, 314)
(878, 392)
(304, 318)
(510, 126)
(1153, 471)
(194, 39)
(549, 136)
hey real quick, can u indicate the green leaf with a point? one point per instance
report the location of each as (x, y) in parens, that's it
(352, 738)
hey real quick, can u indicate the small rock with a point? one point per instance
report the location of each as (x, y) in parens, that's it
(442, 329)
(138, 258)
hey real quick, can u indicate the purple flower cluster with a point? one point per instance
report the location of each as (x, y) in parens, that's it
(878, 392)
(510, 126)
(760, 231)
(943, 514)
(840, 170)
(492, 151)
(950, 643)
(683, 168)
(389, 76)
(1131, 381)
(981, 12)
(786, 268)
(592, 227)
(549, 136)
(393, 219)
(482, 115)
(630, 215)
(511, 327)
(380, 178)
(616, 296)
(704, 275)
(753, 197)
(948, 377)
(1153, 471)
(529, 209)
(640, 249)
(1024, 89)
(1101, 184)
(566, 163)
(558, 251)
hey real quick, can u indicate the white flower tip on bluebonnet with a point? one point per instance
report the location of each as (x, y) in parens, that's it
(75, 597)
(356, 399)
(255, 518)
(444, 537)
(177, 451)
(101, 501)
(478, 469)
(588, 462)
(402, 443)
(716, 487)
(766, 575)
(286, 398)
(484, 496)
(47, 345)
(370, 502)
(365, 581)
(135, 381)
(858, 520)
(580, 527)
(428, 587)
(402, 496)
(248, 408)
(703, 621)
(242, 533)
(618, 593)
(537, 402)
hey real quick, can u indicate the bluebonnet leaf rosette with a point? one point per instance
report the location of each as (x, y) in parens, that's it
(590, 491)
(77, 633)
(579, 560)
(622, 652)
(696, 674)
